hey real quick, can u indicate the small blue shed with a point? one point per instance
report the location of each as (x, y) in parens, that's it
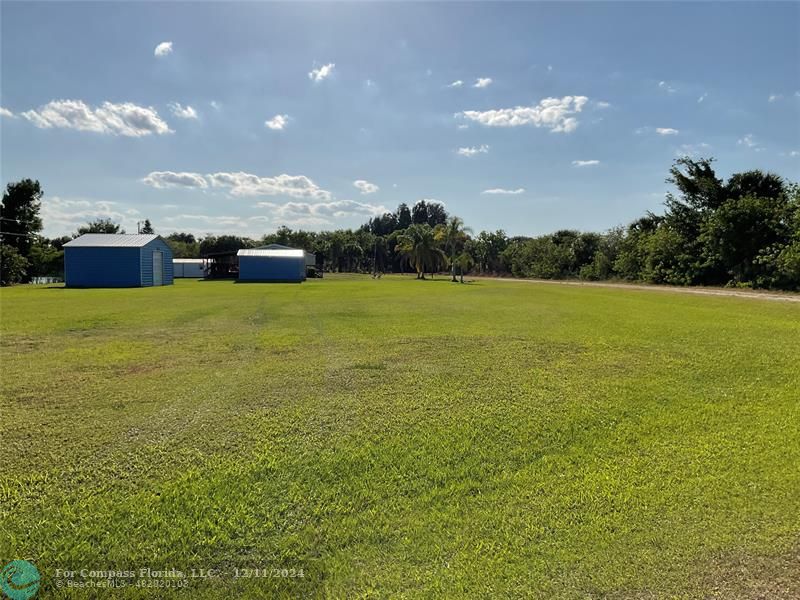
(272, 264)
(117, 260)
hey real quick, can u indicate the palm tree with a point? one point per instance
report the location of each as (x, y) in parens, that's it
(418, 246)
(452, 234)
(464, 262)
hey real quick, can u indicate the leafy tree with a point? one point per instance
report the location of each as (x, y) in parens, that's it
(403, 216)
(19, 215)
(100, 226)
(186, 238)
(437, 215)
(45, 259)
(13, 266)
(488, 249)
(58, 243)
(147, 227)
(224, 243)
(419, 214)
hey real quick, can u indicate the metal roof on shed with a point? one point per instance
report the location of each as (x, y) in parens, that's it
(111, 240)
(187, 261)
(274, 253)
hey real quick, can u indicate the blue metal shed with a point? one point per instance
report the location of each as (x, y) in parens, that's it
(117, 260)
(272, 264)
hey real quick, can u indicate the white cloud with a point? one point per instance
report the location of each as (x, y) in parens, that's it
(125, 119)
(482, 82)
(169, 179)
(321, 73)
(65, 215)
(774, 97)
(4, 112)
(794, 153)
(277, 123)
(666, 131)
(692, 149)
(463, 126)
(245, 184)
(182, 112)
(701, 98)
(457, 83)
(504, 191)
(163, 49)
(554, 114)
(472, 151)
(365, 187)
(241, 184)
(215, 105)
(585, 163)
(666, 87)
(601, 104)
(321, 213)
(750, 142)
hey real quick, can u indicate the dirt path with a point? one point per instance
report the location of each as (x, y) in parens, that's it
(752, 295)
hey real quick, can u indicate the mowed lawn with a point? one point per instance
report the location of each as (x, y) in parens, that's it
(402, 438)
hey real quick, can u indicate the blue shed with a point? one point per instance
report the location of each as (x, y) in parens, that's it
(272, 264)
(117, 260)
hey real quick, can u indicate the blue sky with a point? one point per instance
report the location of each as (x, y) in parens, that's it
(255, 115)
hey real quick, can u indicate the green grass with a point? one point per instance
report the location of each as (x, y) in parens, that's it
(399, 438)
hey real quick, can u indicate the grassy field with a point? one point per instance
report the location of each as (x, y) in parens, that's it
(401, 438)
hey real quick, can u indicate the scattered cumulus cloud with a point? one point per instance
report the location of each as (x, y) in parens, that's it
(320, 213)
(692, 150)
(215, 105)
(246, 184)
(170, 179)
(163, 49)
(126, 119)
(601, 104)
(241, 184)
(365, 187)
(473, 150)
(794, 153)
(666, 131)
(321, 73)
(503, 191)
(585, 163)
(456, 84)
(555, 114)
(4, 112)
(749, 141)
(277, 123)
(183, 112)
(65, 215)
(482, 82)
(774, 97)
(701, 98)
(666, 87)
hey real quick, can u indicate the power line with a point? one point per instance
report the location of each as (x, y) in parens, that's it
(16, 220)
(2, 233)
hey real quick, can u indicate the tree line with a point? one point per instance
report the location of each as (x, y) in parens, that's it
(742, 232)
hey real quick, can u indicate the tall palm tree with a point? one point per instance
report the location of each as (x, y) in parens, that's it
(452, 234)
(418, 245)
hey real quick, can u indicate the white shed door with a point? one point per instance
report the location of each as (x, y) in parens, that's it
(158, 268)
